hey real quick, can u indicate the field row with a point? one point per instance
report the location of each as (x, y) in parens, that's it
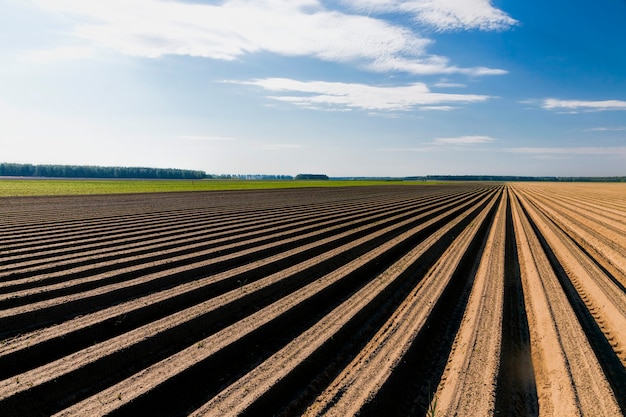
(28, 186)
(470, 299)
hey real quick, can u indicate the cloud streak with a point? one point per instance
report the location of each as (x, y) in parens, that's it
(575, 106)
(607, 129)
(206, 138)
(460, 143)
(439, 108)
(464, 140)
(338, 95)
(582, 150)
(235, 28)
(442, 15)
(444, 84)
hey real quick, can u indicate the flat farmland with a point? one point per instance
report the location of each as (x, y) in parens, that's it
(469, 299)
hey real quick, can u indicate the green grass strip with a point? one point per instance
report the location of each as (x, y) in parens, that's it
(50, 187)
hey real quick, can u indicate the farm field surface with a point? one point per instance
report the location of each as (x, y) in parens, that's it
(467, 299)
(21, 187)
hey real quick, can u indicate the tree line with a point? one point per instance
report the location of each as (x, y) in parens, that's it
(88, 171)
(316, 177)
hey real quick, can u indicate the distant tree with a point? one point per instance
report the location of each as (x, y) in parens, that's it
(84, 171)
(311, 177)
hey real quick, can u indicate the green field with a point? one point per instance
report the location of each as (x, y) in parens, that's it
(47, 187)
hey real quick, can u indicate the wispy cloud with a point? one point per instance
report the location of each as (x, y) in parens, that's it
(337, 95)
(206, 138)
(582, 150)
(235, 28)
(575, 106)
(460, 143)
(607, 129)
(427, 65)
(444, 84)
(440, 108)
(464, 140)
(442, 15)
(279, 146)
(551, 157)
(413, 149)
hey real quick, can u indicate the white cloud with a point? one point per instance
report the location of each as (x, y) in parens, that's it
(444, 84)
(607, 129)
(464, 140)
(574, 106)
(430, 65)
(459, 143)
(334, 95)
(234, 28)
(440, 108)
(582, 150)
(65, 53)
(413, 149)
(442, 14)
(550, 157)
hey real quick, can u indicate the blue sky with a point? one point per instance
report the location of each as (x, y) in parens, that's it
(344, 88)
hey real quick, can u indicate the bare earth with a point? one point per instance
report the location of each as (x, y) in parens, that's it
(478, 299)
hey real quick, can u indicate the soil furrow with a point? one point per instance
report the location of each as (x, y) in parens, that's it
(461, 299)
(561, 355)
(41, 348)
(136, 355)
(132, 234)
(409, 389)
(162, 222)
(163, 218)
(359, 384)
(63, 308)
(215, 236)
(606, 247)
(160, 400)
(468, 385)
(601, 326)
(516, 391)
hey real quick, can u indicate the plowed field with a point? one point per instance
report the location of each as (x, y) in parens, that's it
(476, 299)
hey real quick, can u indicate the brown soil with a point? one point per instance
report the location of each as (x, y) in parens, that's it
(468, 300)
